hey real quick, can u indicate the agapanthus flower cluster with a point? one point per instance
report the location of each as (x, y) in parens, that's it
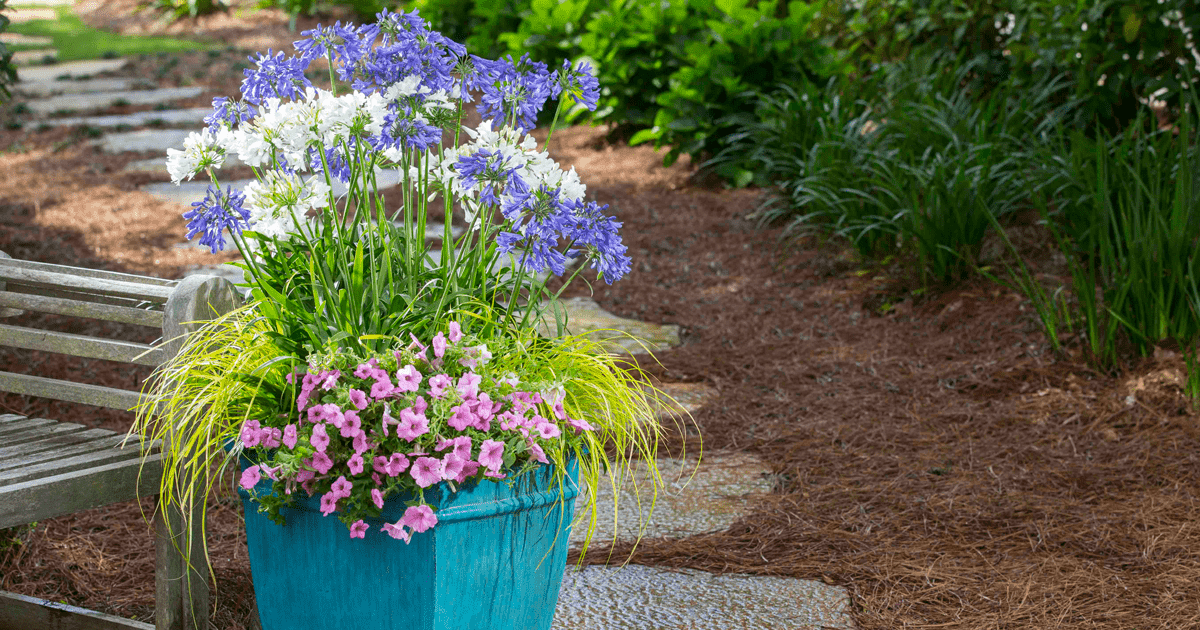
(402, 87)
(368, 429)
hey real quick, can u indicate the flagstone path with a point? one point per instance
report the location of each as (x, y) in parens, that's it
(703, 493)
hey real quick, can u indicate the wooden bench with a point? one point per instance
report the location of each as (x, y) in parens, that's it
(50, 467)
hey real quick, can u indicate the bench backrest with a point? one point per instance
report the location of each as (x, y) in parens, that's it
(172, 306)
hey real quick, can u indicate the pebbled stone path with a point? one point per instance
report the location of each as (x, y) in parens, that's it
(635, 597)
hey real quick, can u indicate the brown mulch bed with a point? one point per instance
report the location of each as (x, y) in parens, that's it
(935, 460)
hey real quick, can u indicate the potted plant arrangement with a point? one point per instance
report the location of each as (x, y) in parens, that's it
(411, 425)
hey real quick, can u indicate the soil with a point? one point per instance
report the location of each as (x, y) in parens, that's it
(928, 454)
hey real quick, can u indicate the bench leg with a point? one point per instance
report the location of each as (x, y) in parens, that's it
(180, 599)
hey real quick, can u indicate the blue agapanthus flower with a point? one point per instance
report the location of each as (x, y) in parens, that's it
(580, 83)
(215, 213)
(343, 43)
(228, 113)
(401, 129)
(274, 76)
(594, 235)
(511, 89)
(409, 48)
(492, 174)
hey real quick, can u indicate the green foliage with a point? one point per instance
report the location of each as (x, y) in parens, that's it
(188, 8)
(478, 25)
(1114, 51)
(918, 172)
(75, 40)
(731, 52)
(8, 71)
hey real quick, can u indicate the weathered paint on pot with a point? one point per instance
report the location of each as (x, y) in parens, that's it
(494, 561)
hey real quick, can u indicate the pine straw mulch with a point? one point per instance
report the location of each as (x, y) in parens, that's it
(934, 460)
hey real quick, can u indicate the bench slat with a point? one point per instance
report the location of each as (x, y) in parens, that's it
(79, 345)
(102, 286)
(9, 463)
(38, 433)
(79, 296)
(21, 425)
(80, 490)
(75, 308)
(60, 465)
(85, 272)
(52, 441)
(68, 391)
(21, 611)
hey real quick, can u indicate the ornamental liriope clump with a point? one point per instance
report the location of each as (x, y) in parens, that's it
(323, 380)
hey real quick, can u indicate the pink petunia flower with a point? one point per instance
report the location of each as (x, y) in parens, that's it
(461, 417)
(329, 379)
(412, 425)
(580, 425)
(251, 435)
(358, 529)
(455, 332)
(468, 385)
(329, 503)
(358, 398)
(355, 464)
(420, 518)
(452, 466)
(460, 444)
(537, 452)
(361, 444)
(351, 424)
(290, 435)
(419, 405)
(439, 345)
(377, 497)
(304, 475)
(364, 370)
(342, 487)
(494, 475)
(468, 470)
(379, 464)
(397, 531)
(271, 437)
(426, 471)
(408, 379)
(439, 384)
(548, 430)
(250, 477)
(321, 463)
(319, 438)
(395, 465)
(382, 388)
(491, 454)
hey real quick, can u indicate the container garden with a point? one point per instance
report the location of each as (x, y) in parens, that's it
(386, 394)
(495, 561)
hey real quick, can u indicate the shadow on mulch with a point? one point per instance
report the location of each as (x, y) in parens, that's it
(936, 461)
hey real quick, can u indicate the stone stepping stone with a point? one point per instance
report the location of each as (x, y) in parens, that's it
(39, 89)
(17, 39)
(693, 500)
(101, 100)
(157, 140)
(167, 117)
(71, 69)
(28, 14)
(619, 335)
(35, 57)
(636, 597)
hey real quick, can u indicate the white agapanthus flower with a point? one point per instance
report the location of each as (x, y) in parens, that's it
(280, 199)
(200, 151)
(535, 168)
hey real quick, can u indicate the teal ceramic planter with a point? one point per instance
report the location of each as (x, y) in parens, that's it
(494, 561)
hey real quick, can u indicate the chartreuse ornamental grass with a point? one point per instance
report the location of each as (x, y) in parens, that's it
(366, 368)
(76, 41)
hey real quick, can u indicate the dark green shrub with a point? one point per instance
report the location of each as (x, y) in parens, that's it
(8, 72)
(730, 53)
